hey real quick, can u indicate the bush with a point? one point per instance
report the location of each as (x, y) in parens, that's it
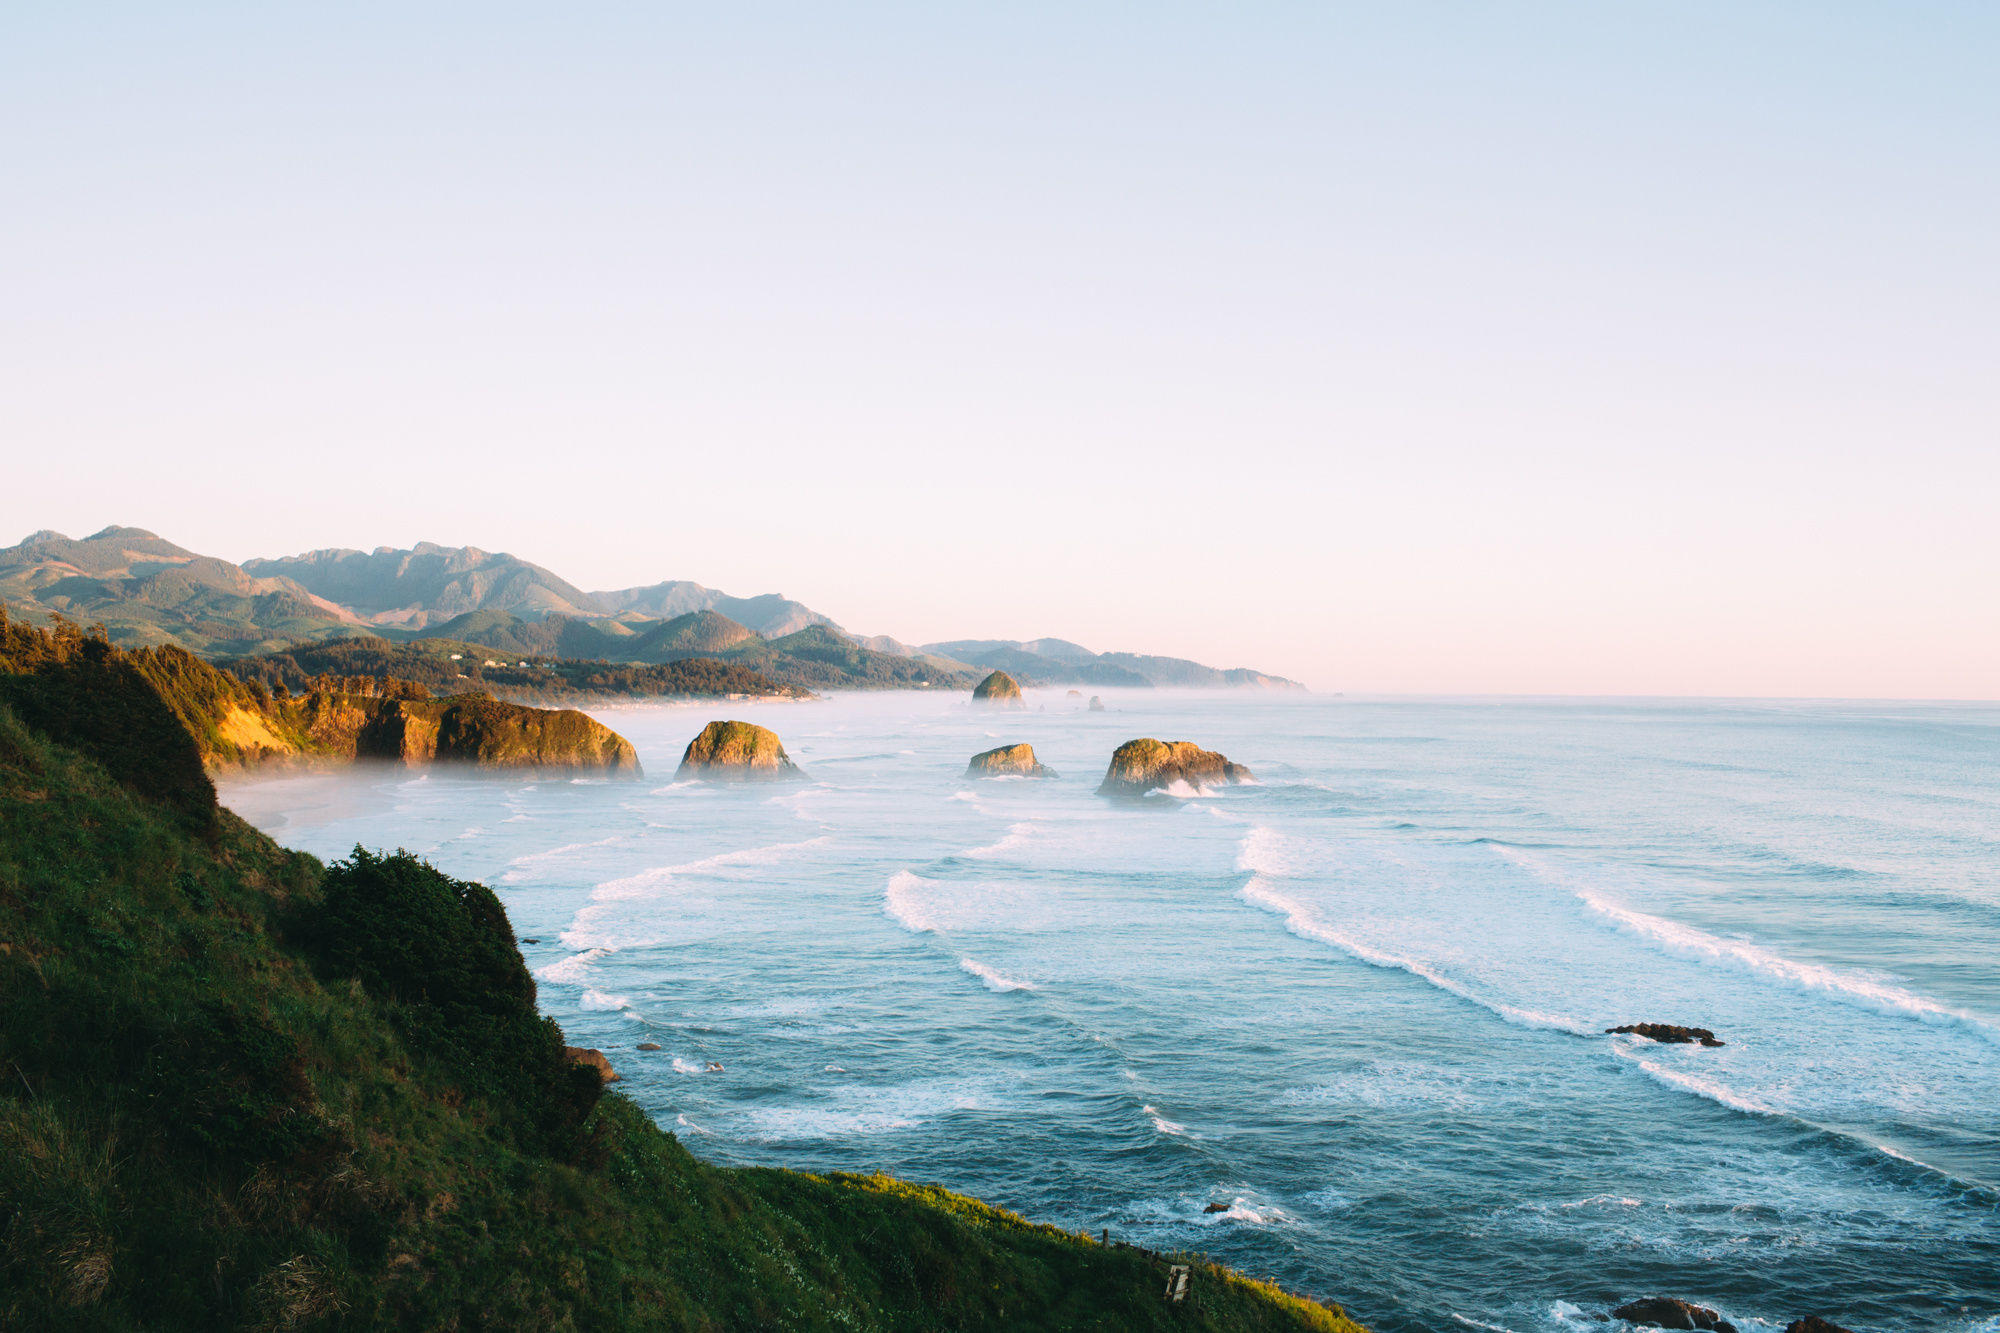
(442, 954)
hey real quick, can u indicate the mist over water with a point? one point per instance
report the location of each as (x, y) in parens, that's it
(1361, 1004)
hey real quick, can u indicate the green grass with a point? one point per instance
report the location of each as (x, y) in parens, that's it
(242, 1089)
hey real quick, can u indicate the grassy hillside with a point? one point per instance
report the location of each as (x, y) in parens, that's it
(245, 1090)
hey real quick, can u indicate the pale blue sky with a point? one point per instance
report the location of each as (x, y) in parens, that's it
(1555, 348)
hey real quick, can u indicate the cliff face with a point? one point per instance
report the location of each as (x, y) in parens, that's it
(1140, 766)
(1008, 761)
(477, 729)
(999, 690)
(232, 722)
(737, 750)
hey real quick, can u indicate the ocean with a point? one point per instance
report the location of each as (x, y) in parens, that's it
(1359, 1005)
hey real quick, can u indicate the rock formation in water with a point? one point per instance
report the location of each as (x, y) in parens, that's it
(999, 690)
(1140, 766)
(1665, 1312)
(1008, 761)
(1669, 1032)
(736, 750)
(1812, 1323)
(1096, 704)
(1074, 694)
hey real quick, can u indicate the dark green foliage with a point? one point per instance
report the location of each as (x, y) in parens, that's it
(441, 953)
(85, 694)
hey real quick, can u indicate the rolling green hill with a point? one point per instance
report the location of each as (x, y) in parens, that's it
(247, 1090)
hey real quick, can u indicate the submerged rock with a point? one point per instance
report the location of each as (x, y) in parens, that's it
(1666, 1312)
(1140, 766)
(649, 1046)
(736, 750)
(999, 690)
(591, 1058)
(1812, 1323)
(1669, 1032)
(1216, 1208)
(1008, 761)
(1096, 704)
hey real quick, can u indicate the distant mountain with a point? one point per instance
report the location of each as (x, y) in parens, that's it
(768, 614)
(429, 584)
(147, 591)
(552, 636)
(696, 633)
(1060, 662)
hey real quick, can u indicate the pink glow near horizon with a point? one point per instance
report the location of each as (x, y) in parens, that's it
(1587, 351)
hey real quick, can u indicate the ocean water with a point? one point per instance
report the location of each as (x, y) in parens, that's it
(1360, 1003)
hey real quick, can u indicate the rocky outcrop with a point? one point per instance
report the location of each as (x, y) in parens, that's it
(1008, 761)
(648, 1046)
(1669, 1032)
(1812, 1323)
(999, 690)
(1140, 766)
(591, 1058)
(1074, 694)
(1096, 704)
(737, 750)
(1665, 1312)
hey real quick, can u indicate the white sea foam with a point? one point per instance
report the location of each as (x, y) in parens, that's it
(1712, 1089)
(1018, 835)
(857, 1112)
(905, 899)
(686, 1066)
(1261, 852)
(1687, 941)
(1477, 1323)
(570, 971)
(602, 1000)
(583, 932)
(995, 981)
(518, 867)
(652, 880)
(1162, 1125)
(1300, 922)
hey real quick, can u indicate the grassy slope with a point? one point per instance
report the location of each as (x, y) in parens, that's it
(202, 1128)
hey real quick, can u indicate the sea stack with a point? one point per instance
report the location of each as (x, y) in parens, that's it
(1667, 1312)
(1140, 766)
(999, 690)
(1669, 1032)
(1096, 704)
(1008, 761)
(737, 750)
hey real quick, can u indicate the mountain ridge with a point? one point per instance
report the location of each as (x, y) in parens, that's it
(149, 592)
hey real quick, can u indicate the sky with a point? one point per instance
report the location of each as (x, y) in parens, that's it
(1635, 348)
